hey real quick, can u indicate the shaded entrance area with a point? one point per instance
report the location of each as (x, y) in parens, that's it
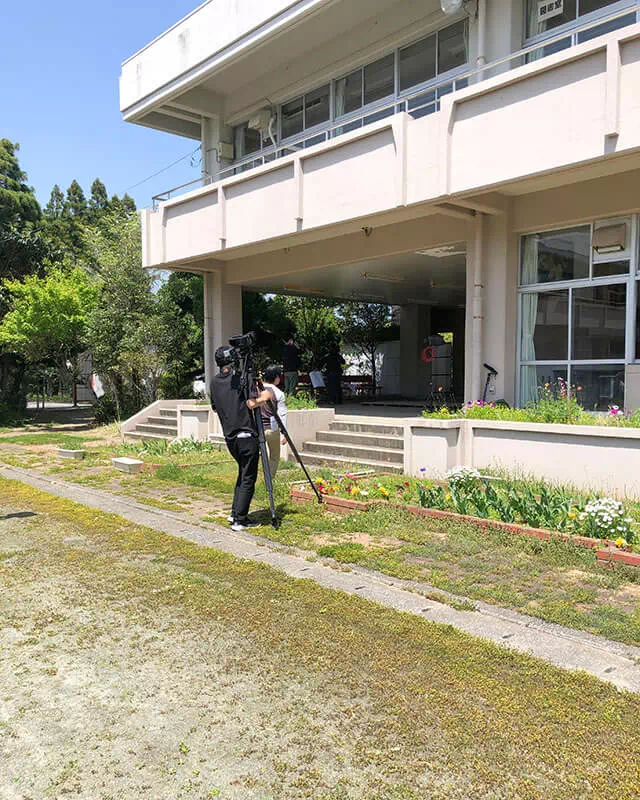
(427, 290)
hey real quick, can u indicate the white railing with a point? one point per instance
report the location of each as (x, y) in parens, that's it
(423, 101)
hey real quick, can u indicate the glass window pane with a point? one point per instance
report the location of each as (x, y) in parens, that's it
(349, 93)
(292, 118)
(549, 17)
(606, 27)
(587, 6)
(598, 387)
(453, 47)
(549, 49)
(545, 326)
(611, 268)
(556, 255)
(379, 79)
(418, 63)
(316, 107)
(599, 318)
(245, 141)
(535, 379)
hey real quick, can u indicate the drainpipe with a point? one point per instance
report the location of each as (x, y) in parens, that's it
(477, 306)
(482, 35)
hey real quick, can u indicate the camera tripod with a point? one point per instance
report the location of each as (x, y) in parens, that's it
(251, 386)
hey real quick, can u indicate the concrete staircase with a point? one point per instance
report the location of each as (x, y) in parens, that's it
(378, 445)
(162, 424)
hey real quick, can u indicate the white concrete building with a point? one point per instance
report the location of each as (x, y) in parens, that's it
(480, 168)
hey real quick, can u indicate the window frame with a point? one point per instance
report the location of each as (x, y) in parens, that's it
(570, 28)
(632, 319)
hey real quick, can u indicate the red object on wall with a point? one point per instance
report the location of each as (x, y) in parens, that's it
(429, 354)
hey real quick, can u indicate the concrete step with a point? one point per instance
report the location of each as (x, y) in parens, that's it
(168, 422)
(147, 437)
(168, 412)
(358, 426)
(362, 439)
(339, 462)
(169, 431)
(355, 452)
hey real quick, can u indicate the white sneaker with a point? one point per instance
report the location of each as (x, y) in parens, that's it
(239, 526)
(230, 518)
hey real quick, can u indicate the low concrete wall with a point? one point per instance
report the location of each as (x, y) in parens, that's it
(304, 424)
(599, 458)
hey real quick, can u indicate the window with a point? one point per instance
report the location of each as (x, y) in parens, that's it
(292, 116)
(349, 93)
(599, 319)
(379, 79)
(418, 63)
(543, 18)
(316, 107)
(556, 256)
(583, 331)
(453, 47)
(545, 326)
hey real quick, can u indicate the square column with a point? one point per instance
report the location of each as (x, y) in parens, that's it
(492, 303)
(222, 317)
(415, 326)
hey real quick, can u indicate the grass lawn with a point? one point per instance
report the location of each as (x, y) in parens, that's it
(138, 665)
(554, 581)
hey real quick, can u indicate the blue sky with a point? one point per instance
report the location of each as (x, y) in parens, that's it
(59, 71)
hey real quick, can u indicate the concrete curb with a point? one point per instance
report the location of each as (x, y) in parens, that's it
(613, 662)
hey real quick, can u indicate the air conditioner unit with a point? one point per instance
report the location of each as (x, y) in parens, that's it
(260, 120)
(225, 151)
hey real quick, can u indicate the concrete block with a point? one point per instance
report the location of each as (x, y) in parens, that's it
(65, 453)
(129, 465)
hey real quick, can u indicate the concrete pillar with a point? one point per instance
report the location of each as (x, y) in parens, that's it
(214, 131)
(491, 309)
(222, 317)
(415, 323)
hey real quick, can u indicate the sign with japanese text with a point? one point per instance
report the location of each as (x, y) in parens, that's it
(549, 8)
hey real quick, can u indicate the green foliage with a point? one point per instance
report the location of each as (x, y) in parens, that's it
(315, 326)
(55, 207)
(48, 318)
(365, 326)
(76, 203)
(301, 401)
(18, 202)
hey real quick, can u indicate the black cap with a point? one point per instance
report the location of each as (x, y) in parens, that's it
(224, 356)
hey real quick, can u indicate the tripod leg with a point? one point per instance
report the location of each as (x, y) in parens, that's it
(264, 454)
(295, 452)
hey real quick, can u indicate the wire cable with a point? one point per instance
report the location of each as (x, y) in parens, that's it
(164, 169)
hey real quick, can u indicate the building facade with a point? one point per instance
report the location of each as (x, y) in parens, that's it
(475, 163)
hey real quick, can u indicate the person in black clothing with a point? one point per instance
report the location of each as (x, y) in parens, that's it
(290, 364)
(333, 363)
(229, 400)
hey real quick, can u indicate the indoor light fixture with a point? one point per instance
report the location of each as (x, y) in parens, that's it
(442, 252)
(302, 289)
(372, 276)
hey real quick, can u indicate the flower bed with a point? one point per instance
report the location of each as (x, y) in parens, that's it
(544, 512)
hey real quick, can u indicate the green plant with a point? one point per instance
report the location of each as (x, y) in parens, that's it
(432, 497)
(606, 519)
(301, 401)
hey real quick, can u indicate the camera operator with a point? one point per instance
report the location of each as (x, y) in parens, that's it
(229, 399)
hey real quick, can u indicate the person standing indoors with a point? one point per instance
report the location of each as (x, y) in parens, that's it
(272, 382)
(290, 364)
(230, 401)
(333, 363)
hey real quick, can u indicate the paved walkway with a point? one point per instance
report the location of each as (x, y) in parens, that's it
(610, 661)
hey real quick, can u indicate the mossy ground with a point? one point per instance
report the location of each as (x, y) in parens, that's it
(139, 665)
(550, 580)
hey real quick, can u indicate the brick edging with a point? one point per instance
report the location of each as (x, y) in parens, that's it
(609, 554)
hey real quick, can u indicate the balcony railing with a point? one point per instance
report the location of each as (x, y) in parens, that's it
(425, 100)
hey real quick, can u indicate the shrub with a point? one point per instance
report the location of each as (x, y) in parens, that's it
(463, 478)
(301, 401)
(606, 519)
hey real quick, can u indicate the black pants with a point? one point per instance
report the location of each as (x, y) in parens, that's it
(334, 388)
(247, 454)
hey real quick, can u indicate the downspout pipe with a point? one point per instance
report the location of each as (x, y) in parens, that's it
(481, 58)
(477, 307)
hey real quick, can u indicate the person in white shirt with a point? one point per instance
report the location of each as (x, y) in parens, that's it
(272, 380)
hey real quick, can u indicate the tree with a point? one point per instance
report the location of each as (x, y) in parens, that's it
(98, 202)
(314, 323)
(76, 203)
(365, 326)
(124, 304)
(18, 203)
(55, 207)
(48, 318)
